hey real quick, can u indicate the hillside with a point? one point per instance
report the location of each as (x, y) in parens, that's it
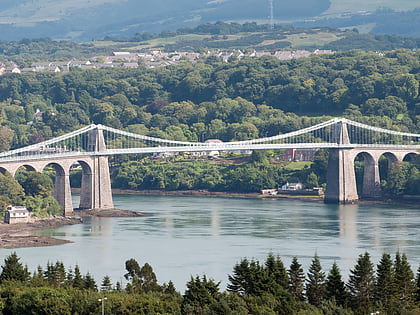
(82, 20)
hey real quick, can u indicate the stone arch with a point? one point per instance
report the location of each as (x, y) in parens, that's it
(367, 178)
(386, 159)
(86, 187)
(412, 157)
(3, 170)
(62, 190)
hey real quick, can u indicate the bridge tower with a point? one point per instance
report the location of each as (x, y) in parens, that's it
(95, 190)
(341, 179)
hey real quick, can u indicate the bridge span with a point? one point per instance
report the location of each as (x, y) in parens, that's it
(91, 146)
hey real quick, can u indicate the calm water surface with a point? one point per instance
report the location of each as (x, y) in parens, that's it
(188, 236)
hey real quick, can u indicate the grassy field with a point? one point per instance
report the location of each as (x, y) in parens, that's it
(343, 6)
(317, 40)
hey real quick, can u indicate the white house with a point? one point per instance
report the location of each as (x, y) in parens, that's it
(292, 186)
(16, 214)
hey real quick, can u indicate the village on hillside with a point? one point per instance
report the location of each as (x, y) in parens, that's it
(152, 59)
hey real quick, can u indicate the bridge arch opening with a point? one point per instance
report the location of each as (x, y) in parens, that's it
(385, 161)
(3, 170)
(413, 158)
(60, 177)
(81, 176)
(367, 175)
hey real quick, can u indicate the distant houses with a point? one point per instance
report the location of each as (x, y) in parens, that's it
(150, 59)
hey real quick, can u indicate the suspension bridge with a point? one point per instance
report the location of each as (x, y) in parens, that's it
(91, 146)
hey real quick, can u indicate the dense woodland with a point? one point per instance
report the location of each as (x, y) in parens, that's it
(238, 100)
(254, 287)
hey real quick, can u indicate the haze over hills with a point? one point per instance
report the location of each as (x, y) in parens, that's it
(83, 20)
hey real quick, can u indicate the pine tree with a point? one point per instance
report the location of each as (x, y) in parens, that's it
(296, 280)
(315, 286)
(90, 283)
(385, 282)
(404, 280)
(38, 277)
(361, 283)
(106, 284)
(78, 281)
(13, 269)
(336, 288)
(277, 273)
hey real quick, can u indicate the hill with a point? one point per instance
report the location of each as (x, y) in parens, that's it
(82, 20)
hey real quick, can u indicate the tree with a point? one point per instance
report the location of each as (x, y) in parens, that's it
(106, 284)
(38, 184)
(6, 138)
(148, 279)
(296, 280)
(336, 288)
(312, 180)
(11, 192)
(78, 281)
(89, 282)
(385, 281)
(276, 271)
(315, 286)
(361, 283)
(199, 294)
(12, 269)
(404, 280)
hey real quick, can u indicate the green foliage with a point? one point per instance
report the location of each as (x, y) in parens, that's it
(13, 270)
(316, 285)
(141, 279)
(200, 293)
(10, 191)
(336, 289)
(296, 280)
(361, 284)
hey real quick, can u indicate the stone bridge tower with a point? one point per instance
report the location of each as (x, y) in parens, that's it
(95, 190)
(341, 179)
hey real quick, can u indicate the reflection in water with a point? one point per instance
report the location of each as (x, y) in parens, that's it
(188, 236)
(348, 225)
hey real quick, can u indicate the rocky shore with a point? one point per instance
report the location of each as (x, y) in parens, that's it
(22, 234)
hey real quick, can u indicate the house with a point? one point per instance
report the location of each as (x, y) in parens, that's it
(298, 155)
(292, 186)
(16, 214)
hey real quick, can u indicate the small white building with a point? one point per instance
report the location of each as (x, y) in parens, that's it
(292, 186)
(16, 214)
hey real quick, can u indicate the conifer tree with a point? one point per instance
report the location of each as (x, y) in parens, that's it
(13, 269)
(361, 283)
(296, 280)
(385, 282)
(78, 281)
(90, 283)
(404, 280)
(336, 288)
(276, 271)
(106, 284)
(315, 286)
(248, 278)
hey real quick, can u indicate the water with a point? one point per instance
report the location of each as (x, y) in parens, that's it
(189, 236)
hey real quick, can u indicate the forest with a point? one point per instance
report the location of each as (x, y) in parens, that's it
(253, 287)
(211, 99)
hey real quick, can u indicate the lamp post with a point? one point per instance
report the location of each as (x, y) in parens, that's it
(103, 304)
